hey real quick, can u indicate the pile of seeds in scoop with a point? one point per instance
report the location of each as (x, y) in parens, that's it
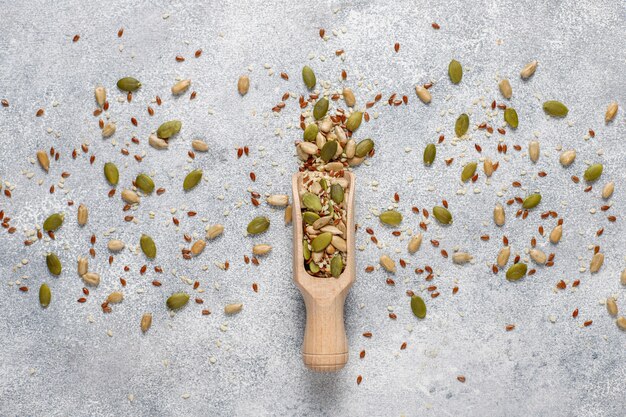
(324, 223)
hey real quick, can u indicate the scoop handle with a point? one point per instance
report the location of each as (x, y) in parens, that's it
(325, 347)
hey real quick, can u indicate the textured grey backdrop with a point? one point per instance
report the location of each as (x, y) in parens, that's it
(56, 362)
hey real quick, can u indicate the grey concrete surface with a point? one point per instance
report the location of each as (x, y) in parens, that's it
(58, 363)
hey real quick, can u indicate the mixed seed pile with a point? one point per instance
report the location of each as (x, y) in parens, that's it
(327, 149)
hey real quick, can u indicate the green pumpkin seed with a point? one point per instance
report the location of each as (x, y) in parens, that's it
(111, 173)
(354, 121)
(418, 306)
(324, 184)
(144, 183)
(54, 264)
(442, 215)
(336, 193)
(363, 148)
(328, 150)
(516, 271)
(468, 171)
(531, 201)
(593, 172)
(462, 125)
(309, 217)
(308, 76)
(510, 116)
(258, 225)
(177, 300)
(128, 84)
(390, 218)
(455, 71)
(192, 179)
(320, 108)
(45, 295)
(429, 154)
(555, 108)
(314, 268)
(321, 241)
(169, 129)
(306, 252)
(53, 222)
(310, 133)
(312, 202)
(147, 246)
(336, 266)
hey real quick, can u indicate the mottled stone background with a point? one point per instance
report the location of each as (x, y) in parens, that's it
(55, 362)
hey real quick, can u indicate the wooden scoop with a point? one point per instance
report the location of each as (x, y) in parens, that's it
(325, 346)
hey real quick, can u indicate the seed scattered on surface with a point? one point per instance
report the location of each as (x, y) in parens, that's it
(91, 278)
(278, 200)
(261, 249)
(538, 256)
(130, 196)
(388, 263)
(198, 247)
(180, 87)
(468, 171)
(111, 173)
(556, 233)
(415, 243)
(418, 306)
(533, 150)
(199, 145)
(555, 108)
(108, 130)
(423, 94)
(115, 245)
(348, 97)
(354, 121)
(308, 76)
(567, 157)
(516, 271)
(82, 215)
(455, 71)
(230, 309)
(157, 143)
(503, 256)
(192, 179)
(528, 70)
(621, 323)
(505, 88)
(607, 190)
(128, 84)
(429, 154)
(44, 161)
(144, 183)
(611, 306)
(258, 225)
(442, 215)
(115, 297)
(510, 116)
(531, 201)
(177, 300)
(83, 266)
(596, 262)
(100, 94)
(593, 172)
(148, 246)
(611, 111)
(498, 214)
(146, 322)
(321, 108)
(215, 230)
(328, 150)
(488, 167)
(53, 222)
(462, 125)
(243, 85)
(461, 258)
(45, 295)
(169, 129)
(390, 218)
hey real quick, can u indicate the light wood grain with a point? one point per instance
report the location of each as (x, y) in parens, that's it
(325, 346)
